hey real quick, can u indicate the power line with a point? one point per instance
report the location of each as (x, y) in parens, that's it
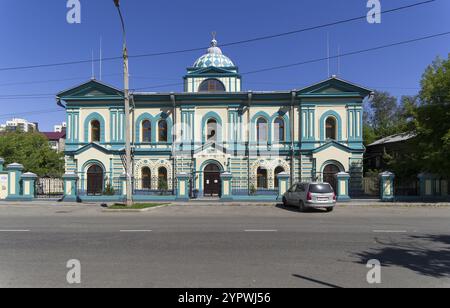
(50, 95)
(261, 38)
(352, 53)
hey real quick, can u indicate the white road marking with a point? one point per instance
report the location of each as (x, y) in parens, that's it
(260, 230)
(14, 230)
(390, 231)
(135, 231)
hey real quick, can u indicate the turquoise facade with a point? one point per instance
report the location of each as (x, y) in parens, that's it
(215, 125)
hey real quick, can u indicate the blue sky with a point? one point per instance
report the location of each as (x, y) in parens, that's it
(36, 32)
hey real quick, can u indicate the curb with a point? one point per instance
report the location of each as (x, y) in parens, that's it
(133, 210)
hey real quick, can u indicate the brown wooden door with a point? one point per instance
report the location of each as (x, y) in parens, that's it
(212, 183)
(329, 176)
(95, 181)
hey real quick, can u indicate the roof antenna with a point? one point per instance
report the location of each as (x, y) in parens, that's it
(339, 60)
(93, 69)
(101, 57)
(328, 53)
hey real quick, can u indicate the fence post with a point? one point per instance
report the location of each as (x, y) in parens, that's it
(342, 179)
(226, 186)
(14, 174)
(387, 193)
(283, 184)
(183, 187)
(28, 181)
(426, 185)
(3, 180)
(444, 188)
(70, 187)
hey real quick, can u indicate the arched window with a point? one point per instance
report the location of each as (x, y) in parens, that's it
(146, 178)
(211, 130)
(261, 177)
(280, 134)
(211, 85)
(262, 130)
(162, 179)
(162, 131)
(146, 131)
(95, 131)
(331, 128)
(278, 170)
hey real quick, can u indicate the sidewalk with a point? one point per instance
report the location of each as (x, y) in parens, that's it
(355, 202)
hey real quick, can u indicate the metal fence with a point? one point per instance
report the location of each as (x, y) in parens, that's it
(240, 187)
(49, 188)
(371, 186)
(407, 187)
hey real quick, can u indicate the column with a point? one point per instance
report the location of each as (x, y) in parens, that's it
(342, 193)
(387, 187)
(70, 187)
(14, 180)
(283, 184)
(123, 185)
(28, 180)
(183, 187)
(227, 194)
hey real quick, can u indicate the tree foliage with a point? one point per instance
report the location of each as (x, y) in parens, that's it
(33, 151)
(432, 119)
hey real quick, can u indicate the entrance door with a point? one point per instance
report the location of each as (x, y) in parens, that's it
(212, 183)
(329, 176)
(95, 180)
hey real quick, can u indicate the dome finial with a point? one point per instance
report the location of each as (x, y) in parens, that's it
(214, 41)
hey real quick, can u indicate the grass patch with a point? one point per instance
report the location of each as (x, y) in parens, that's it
(136, 206)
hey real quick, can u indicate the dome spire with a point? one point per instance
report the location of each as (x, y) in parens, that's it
(214, 49)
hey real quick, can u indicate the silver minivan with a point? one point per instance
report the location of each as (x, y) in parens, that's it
(311, 195)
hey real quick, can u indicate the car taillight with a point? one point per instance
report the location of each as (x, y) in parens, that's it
(309, 196)
(334, 196)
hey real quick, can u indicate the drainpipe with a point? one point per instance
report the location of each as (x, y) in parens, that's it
(250, 97)
(174, 138)
(291, 118)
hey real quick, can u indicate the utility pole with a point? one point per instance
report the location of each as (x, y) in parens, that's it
(126, 92)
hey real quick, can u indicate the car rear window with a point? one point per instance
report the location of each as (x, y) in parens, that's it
(320, 188)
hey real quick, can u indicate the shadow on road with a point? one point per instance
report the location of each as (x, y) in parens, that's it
(326, 284)
(296, 210)
(427, 255)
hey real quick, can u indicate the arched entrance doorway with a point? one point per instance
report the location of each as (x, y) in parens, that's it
(329, 175)
(212, 184)
(95, 180)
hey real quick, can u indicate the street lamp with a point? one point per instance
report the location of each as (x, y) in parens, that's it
(126, 91)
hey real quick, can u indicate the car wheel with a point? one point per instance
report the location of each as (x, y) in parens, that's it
(330, 209)
(302, 207)
(284, 201)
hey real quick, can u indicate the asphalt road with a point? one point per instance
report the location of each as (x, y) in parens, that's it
(224, 246)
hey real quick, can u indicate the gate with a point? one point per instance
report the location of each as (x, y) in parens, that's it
(49, 188)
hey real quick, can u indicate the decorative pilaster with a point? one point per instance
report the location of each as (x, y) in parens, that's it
(14, 181)
(387, 187)
(70, 187)
(283, 184)
(342, 193)
(183, 187)
(227, 194)
(28, 181)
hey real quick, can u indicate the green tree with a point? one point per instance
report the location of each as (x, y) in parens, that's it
(33, 151)
(432, 119)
